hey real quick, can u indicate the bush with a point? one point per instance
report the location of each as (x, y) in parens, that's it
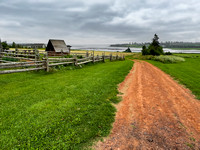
(145, 51)
(168, 59)
(128, 50)
(10, 59)
(155, 50)
(79, 56)
(68, 56)
(168, 53)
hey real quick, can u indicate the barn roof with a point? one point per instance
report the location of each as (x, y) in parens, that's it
(59, 45)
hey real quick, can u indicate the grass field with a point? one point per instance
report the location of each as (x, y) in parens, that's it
(185, 48)
(84, 51)
(65, 109)
(187, 73)
(101, 52)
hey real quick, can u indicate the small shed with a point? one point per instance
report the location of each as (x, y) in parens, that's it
(57, 47)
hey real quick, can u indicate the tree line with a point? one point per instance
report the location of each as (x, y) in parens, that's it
(168, 44)
(6, 46)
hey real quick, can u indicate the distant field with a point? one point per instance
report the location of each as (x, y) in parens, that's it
(64, 109)
(185, 48)
(101, 52)
(187, 73)
(95, 52)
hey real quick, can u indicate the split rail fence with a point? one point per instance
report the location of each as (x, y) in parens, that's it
(12, 61)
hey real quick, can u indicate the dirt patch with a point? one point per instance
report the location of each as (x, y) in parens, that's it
(156, 113)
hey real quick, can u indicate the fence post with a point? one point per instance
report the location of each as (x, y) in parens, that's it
(117, 57)
(75, 60)
(93, 57)
(87, 54)
(103, 57)
(29, 52)
(123, 57)
(37, 55)
(16, 52)
(46, 63)
(110, 57)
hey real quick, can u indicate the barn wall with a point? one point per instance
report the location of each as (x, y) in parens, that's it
(50, 47)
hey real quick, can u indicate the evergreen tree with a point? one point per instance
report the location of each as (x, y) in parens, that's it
(128, 50)
(145, 51)
(13, 45)
(5, 45)
(154, 48)
(155, 41)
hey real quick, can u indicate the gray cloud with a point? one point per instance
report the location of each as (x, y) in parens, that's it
(105, 21)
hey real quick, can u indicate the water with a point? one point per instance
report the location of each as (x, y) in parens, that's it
(107, 48)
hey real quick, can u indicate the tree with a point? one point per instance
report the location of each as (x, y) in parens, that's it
(128, 50)
(154, 48)
(145, 51)
(155, 41)
(13, 45)
(5, 45)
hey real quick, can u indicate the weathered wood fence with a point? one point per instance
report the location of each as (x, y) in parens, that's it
(29, 60)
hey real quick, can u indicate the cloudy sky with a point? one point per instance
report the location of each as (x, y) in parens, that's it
(99, 21)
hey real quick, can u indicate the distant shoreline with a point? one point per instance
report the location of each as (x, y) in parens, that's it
(173, 48)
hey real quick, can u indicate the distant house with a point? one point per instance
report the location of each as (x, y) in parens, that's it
(57, 47)
(33, 45)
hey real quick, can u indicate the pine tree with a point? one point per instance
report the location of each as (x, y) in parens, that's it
(154, 48)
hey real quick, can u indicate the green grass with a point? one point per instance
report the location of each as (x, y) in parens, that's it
(65, 109)
(187, 73)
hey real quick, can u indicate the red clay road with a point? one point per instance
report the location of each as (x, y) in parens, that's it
(155, 113)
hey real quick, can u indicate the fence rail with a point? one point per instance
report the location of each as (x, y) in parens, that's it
(35, 60)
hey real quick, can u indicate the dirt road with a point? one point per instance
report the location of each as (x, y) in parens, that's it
(156, 113)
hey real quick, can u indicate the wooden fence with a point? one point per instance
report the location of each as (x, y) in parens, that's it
(29, 60)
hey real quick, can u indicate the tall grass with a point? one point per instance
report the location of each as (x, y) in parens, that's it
(168, 59)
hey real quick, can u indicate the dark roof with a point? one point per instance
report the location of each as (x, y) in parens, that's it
(59, 45)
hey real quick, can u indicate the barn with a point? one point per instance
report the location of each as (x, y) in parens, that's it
(57, 47)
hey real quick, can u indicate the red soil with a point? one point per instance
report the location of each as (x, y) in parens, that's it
(155, 113)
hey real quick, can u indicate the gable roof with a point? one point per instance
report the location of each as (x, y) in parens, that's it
(59, 45)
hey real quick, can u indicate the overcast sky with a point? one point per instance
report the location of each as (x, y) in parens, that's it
(99, 21)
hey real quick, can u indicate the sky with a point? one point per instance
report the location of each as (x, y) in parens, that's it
(99, 21)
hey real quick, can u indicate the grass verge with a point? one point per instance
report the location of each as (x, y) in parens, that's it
(187, 73)
(64, 109)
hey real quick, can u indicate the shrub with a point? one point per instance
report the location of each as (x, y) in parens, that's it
(168, 59)
(68, 56)
(128, 50)
(168, 53)
(10, 59)
(155, 50)
(145, 51)
(79, 56)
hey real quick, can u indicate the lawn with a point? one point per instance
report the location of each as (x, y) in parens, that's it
(187, 73)
(64, 109)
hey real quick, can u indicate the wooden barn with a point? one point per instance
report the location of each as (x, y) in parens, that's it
(57, 47)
